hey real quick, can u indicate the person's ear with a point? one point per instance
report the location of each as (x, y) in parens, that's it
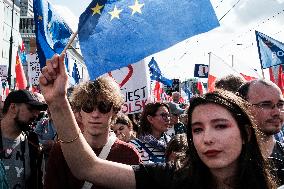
(13, 108)
(150, 118)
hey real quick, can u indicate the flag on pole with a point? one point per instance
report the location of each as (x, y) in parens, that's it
(52, 33)
(271, 51)
(200, 87)
(156, 74)
(157, 91)
(21, 80)
(277, 76)
(218, 68)
(22, 54)
(114, 34)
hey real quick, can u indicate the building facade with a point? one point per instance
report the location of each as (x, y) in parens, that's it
(7, 26)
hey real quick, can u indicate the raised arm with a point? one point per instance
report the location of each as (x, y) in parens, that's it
(79, 156)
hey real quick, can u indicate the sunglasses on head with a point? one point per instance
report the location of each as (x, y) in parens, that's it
(103, 107)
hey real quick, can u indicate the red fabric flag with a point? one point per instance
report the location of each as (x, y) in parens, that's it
(247, 77)
(277, 76)
(21, 81)
(200, 87)
(157, 91)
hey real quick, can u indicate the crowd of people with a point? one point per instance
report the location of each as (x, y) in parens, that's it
(229, 138)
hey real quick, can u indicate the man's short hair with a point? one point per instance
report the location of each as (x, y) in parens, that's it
(229, 83)
(23, 96)
(102, 89)
(244, 89)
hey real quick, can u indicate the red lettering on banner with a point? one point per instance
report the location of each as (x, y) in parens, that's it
(137, 106)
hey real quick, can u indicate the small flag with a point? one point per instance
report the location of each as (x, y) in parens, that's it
(21, 80)
(271, 51)
(200, 87)
(114, 34)
(156, 74)
(218, 68)
(201, 70)
(22, 54)
(277, 76)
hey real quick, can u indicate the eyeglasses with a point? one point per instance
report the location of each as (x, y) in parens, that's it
(164, 115)
(269, 105)
(103, 107)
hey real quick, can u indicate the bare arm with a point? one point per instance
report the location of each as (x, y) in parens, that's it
(79, 156)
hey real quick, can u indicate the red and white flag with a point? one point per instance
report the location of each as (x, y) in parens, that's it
(277, 76)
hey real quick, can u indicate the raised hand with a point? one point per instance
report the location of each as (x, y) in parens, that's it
(53, 80)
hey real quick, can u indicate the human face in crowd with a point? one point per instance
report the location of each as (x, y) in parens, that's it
(121, 131)
(95, 121)
(216, 137)
(174, 119)
(160, 121)
(25, 114)
(184, 118)
(176, 97)
(267, 107)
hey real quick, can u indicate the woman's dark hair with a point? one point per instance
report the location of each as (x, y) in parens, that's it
(252, 170)
(178, 145)
(150, 109)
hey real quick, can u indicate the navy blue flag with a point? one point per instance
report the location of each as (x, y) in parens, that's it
(52, 33)
(114, 34)
(156, 74)
(201, 70)
(271, 51)
(75, 74)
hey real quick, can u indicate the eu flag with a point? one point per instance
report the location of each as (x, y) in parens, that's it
(114, 34)
(52, 33)
(271, 51)
(156, 74)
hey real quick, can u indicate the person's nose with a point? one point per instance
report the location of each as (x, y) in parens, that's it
(95, 112)
(276, 111)
(208, 137)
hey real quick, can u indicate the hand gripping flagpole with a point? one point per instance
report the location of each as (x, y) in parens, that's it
(70, 41)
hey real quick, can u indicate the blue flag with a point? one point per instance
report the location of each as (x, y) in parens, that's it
(271, 51)
(52, 33)
(75, 74)
(156, 74)
(201, 70)
(114, 34)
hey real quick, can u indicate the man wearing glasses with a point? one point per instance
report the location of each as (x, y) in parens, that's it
(96, 104)
(268, 110)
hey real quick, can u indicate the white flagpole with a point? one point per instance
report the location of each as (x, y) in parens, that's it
(70, 42)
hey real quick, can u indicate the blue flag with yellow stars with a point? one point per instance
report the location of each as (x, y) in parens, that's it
(114, 34)
(52, 33)
(156, 74)
(271, 51)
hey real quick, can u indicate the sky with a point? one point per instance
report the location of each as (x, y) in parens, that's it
(234, 41)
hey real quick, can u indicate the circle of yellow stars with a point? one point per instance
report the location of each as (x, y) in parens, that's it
(136, 8)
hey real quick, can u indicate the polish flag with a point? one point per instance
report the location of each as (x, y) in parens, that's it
(277, 76)
(200, 87)
(218, 68)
